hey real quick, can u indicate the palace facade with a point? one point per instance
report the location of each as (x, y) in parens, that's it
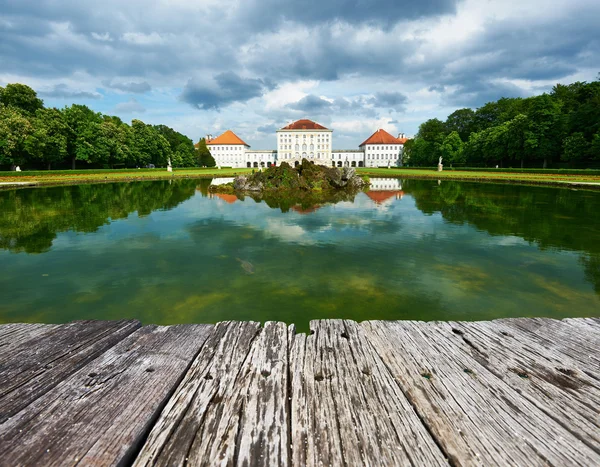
(305, 139)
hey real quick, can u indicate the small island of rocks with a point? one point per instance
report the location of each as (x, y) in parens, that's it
(307, 185)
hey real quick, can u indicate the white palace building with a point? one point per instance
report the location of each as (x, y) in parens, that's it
(306, 139)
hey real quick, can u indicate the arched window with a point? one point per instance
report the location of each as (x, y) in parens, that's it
(303, 154)
(304, 147)
(297, 147)
(312, 147)
(297, 154)
(312, 155)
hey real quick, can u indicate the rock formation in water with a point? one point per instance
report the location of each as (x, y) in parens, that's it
(306, 177)
(306, 185)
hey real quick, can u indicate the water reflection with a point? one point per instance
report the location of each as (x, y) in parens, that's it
(170, 252)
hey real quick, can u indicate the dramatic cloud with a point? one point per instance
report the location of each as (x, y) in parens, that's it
(62, 91)
(227, 88)
(135, 88)
(311, 104)
(255, 65)
(390, 99)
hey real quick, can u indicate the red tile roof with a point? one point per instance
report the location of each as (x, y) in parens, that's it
(227, 198)
(304, 125)
(381, 196)
(383, 137)
(229, 137)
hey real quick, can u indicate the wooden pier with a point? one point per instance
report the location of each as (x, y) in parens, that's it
(506, 392)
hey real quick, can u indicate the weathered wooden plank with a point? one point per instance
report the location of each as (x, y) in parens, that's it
(102, 413)
(476, 417)
(550, 380)
(13, 335)
(346, 407)
(576, 338)
(35, 367)
(260, 433)
(205, 399)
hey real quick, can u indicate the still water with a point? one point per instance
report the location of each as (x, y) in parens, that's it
(168, 252)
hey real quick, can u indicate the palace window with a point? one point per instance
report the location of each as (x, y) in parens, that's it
(304, 147)
(312, 147)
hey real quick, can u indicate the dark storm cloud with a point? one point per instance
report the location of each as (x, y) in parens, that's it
(311, 104)
(389, 99)
(62, 91)
(132, 87)
(228, 88)
(315, 40)
(382, 12)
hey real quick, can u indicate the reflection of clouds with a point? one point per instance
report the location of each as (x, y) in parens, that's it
(507, 241)
(287, 232)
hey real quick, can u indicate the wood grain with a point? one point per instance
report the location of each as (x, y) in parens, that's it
(101, 414)
(34, 367)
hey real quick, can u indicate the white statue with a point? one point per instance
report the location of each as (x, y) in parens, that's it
(169, 167)
(18, 169)
(440, 162)
(440, 166)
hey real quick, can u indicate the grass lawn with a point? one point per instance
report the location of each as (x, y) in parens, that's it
(499, 176)
(86, 176)
(82, 176)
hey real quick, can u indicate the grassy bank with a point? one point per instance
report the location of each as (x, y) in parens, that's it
(498, 175)
(546, 178)
(90, 176)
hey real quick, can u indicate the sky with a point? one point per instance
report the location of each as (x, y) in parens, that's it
(253, 66)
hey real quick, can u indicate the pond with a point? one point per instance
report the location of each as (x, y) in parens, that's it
(168, 252)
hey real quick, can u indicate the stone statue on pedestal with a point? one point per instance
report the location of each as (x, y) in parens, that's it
(440, 166)
(169, 167)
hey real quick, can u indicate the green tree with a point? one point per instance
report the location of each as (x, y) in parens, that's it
(452, 149)
(114, 142)
(84, 125)
(545, 129)
(426, 149)
(595, 149)
(203, 155)
(49, 141)
(462, 121)
(15, 129)
(575, 148)
(148, 145)
(21, 97)
(516, 136)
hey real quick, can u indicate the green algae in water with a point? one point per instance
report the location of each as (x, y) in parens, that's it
(171, 252)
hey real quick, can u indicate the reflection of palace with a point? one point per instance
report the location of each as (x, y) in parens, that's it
(306, 139)
(382, 190)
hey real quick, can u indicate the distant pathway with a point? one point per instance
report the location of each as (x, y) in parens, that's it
(506, 392)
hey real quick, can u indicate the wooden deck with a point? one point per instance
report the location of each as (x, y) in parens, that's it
(507, 392)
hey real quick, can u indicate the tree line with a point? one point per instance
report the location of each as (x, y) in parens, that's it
(35, 136)
(561, 128)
